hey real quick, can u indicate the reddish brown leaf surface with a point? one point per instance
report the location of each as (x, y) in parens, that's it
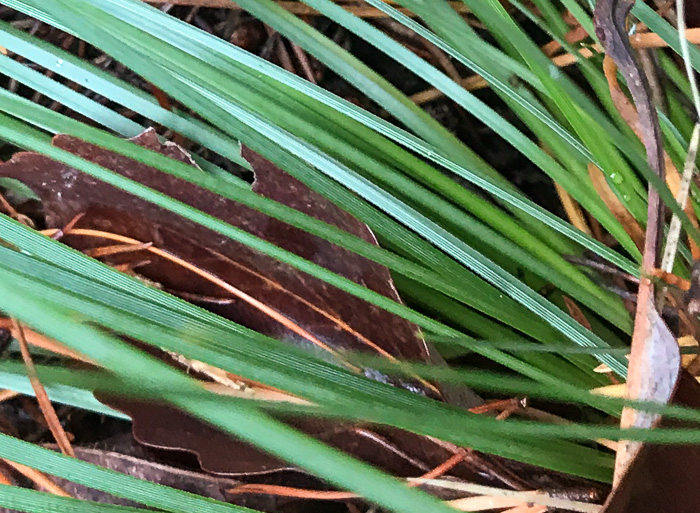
(122, 456)
(140, 467)
(335, 318)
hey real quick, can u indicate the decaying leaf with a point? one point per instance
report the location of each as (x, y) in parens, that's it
(657, 366)
(328, 313)
(124, 457)
(138, 466)
(662, 478)
(656, 478)
(336, 319)
(269, 297)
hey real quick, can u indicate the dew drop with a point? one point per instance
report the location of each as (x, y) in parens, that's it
(616, 178)
(554, 71)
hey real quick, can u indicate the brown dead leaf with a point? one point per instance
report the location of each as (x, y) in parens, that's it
(328, 313)
(339, 320)
(657, 365)
(655, 373)
(136, 465)
(653, 478)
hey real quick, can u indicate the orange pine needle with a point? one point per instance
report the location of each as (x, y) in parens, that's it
(325, 495)
(117, 249)
(42, 397)
(272, 313)
(71, 224)
(39, 340)
(288, 491)
(444, 467)
(671, 279)
(37, 477)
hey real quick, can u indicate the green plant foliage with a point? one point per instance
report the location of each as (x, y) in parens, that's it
(469, 260)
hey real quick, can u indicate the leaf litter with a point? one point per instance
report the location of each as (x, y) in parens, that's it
(229, 279)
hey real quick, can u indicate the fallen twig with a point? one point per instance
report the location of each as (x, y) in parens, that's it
(42, 397)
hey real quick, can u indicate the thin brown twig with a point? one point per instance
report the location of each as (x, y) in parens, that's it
(505, 475)
(39, 340)
(42, 397)
(444, 467)
(443, 60)
(282, 54)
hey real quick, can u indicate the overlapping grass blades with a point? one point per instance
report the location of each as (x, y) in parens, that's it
(176, 76)
(438, 236)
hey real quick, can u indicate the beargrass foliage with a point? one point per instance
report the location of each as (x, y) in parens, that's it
(472, 261)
